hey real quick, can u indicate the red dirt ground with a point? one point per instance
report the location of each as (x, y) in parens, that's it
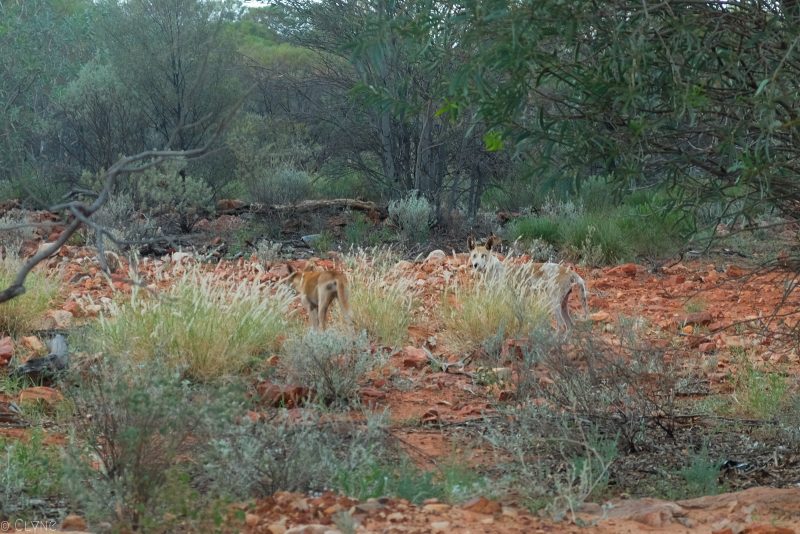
(727, 293)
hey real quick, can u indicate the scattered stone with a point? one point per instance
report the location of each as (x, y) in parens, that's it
(440, 526)
(436, 255)
(308, 529)
(251, 520)
(229, 204)
(600, 317)
(32, 343)
(45, 394)
(278, 527)
(396, 517)
(627, 269)
(708, 347)
(482, 505)
(762, 528)
(414, 357)
(699, 318)
(6, 350)
(58, 320)
(734, 271)
(435, 508)
(368, 507)
(74, 522)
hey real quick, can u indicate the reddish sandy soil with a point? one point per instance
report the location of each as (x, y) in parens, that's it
(429, 403)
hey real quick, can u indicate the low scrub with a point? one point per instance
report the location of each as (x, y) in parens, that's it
(23, 314)
(488, 310)
(209, 328)
(137, 427)
(286, 453)
(382, 300)
(413, 215)
(329, 362)
(30, 476)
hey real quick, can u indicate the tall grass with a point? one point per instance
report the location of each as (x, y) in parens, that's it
(206, 327)
(22, 314)
(511, 306)
(382, 301)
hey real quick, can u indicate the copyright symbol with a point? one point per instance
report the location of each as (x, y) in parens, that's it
(5, 526)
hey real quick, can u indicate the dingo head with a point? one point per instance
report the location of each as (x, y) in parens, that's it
(481, 256)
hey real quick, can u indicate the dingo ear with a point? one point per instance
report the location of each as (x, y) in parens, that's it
(471, 242)
(492, 242)
(309, 267)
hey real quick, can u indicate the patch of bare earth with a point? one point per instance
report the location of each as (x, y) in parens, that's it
(431, 410)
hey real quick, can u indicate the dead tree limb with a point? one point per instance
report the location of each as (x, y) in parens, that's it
(81, 212)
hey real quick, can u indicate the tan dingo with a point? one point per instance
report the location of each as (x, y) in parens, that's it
(557, 280)
(317, 290)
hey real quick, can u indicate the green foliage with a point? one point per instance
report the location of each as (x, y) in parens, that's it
(595, 240)
(203, 326)
(360, 232)
(30, 472)
(530, 228)
(142, 422)
(177, 199)
(287, 453)
(701, 475)
(413, 215)
(283, 185)
(403, 480)
(613, 98)
(23, 314)
(759, 393)
(102, 116)
(331, 363)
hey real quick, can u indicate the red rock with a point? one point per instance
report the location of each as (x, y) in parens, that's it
(506, 395)
(40, 393)
(627, 269)
(371, 396)
(414, 357)
(74, 522)
(279, 271)
(707, 347)
(735, 271)
(32, 343)
(282, 396)
(431, 416)
(6, 350)
(762, 528)
(700, 318)
(600, 317)
(482, 505)
(695, 341)
(229, 204)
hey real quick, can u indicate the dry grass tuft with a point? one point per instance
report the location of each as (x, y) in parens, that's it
(207, 327)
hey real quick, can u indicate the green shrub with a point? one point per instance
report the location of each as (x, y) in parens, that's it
(413, 215)
(595, 240)
(702, 475)
(282, 185)
(207, 327)
(329, 362)
(531, 228)
(176, 201)
(145, 425)
(30, 472)
(23, 314)
(287, 453)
